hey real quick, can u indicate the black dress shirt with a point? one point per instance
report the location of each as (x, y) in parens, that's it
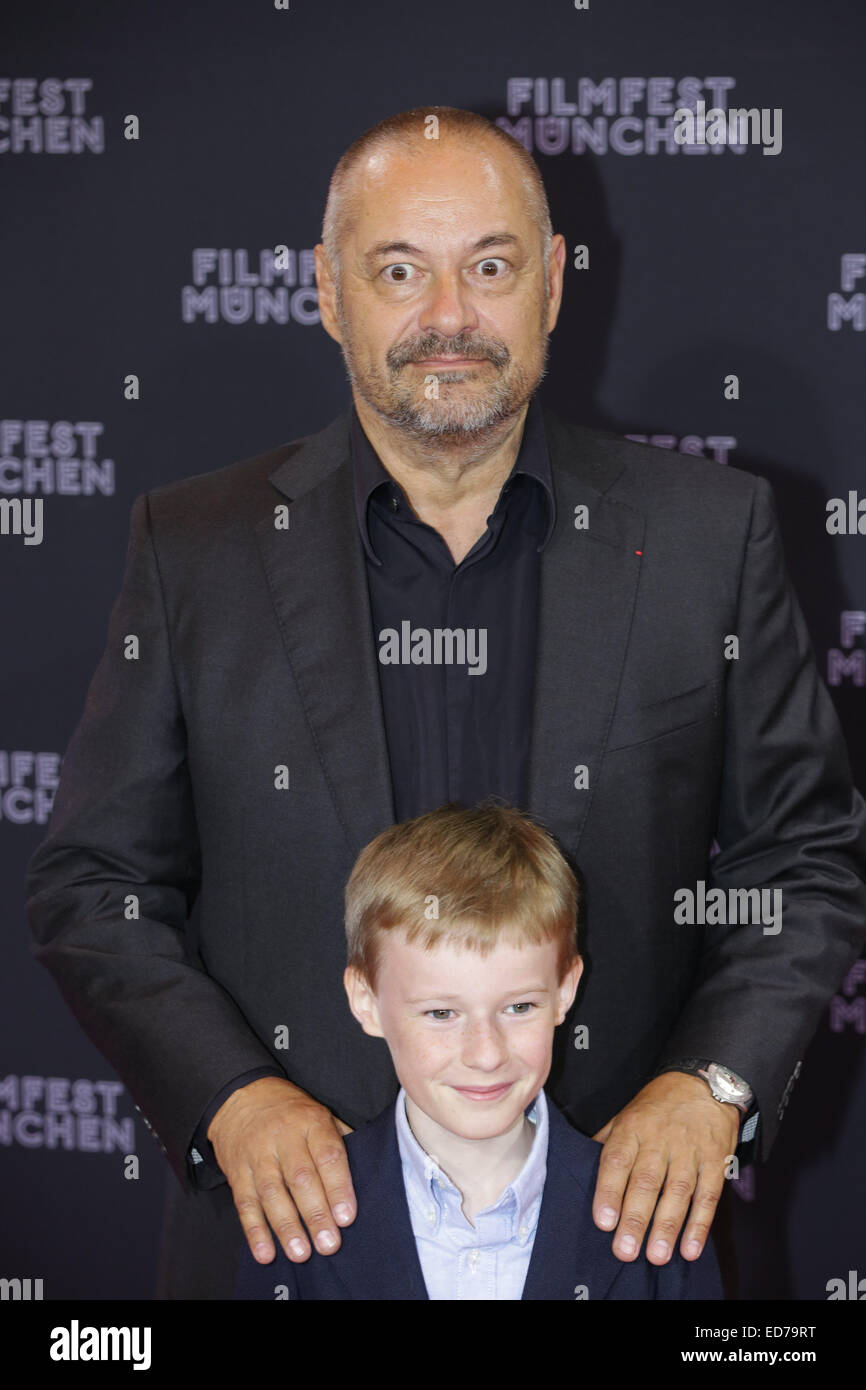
(456, 730)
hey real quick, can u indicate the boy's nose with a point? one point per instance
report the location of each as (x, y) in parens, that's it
(484, 1046)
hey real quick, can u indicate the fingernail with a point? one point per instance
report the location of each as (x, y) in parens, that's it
(298, 1248)
(661, 1248)
(343, 1212)
(261, 1250)
(693, 1248)
(628, 1245)
(607, 1216)
(326, 1240)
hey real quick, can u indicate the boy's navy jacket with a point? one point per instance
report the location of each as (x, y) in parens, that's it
(571, 1258)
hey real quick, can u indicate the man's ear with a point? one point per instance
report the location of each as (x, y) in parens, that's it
(555, 273)
(327, 293)
(568, 988)
(362, 1001)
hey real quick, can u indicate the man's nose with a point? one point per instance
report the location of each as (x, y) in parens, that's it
(448, 309)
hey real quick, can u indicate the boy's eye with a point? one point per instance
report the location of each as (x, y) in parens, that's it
(522, 1008)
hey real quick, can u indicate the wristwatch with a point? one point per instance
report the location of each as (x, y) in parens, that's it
(724, 1084)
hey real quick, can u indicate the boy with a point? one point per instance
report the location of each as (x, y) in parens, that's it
(462, 954)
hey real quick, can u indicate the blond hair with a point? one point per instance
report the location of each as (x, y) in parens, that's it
(474, 877)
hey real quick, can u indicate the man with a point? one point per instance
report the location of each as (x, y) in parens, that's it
(447, 593)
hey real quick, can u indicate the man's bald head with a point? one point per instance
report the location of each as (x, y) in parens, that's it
(407, 132)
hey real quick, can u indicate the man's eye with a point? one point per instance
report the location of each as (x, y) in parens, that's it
(436, 1013)
(490, 262)
(405, 273)
(525, 1007)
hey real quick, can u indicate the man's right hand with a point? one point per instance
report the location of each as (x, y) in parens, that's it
(285, 1160)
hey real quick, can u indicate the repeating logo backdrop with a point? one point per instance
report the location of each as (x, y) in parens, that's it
(163, 173)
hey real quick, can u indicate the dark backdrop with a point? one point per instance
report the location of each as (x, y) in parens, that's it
(702, 263)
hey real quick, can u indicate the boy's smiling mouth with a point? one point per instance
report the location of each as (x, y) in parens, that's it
(484, 1092)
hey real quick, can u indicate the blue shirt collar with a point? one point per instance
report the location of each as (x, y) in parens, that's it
(533, 459)
(426, 1181)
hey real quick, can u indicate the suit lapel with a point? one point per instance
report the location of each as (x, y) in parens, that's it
(318, 584)
(588, 584)
(569, 1253)
(384, 1263)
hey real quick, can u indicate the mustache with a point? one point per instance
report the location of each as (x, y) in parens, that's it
(432, 345)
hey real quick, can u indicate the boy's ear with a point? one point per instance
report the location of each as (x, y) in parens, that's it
(362, 1001)
(568, 988)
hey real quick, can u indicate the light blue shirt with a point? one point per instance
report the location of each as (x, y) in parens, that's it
(458, 1260)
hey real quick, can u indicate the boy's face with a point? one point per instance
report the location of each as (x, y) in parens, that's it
(470, 1036)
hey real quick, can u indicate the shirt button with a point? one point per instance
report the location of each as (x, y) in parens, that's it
(524, 1231)
(431, 1214)
(394, 504)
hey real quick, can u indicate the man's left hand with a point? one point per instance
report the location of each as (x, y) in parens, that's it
(673, 1135)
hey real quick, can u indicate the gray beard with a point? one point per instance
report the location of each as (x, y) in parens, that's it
(463, 421)
(437, 419)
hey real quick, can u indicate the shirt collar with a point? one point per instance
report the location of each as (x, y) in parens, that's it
(369, 472)
(424, 1177)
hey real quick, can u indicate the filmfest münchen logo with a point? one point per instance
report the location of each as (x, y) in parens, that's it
(28, 783)
(57, 1112)
(615, 115)
(54, 458)
(719, 445)
(275, 285)
(848, 1007)
(850, 305)
(51, 458)
(847, 662)
(48, 117)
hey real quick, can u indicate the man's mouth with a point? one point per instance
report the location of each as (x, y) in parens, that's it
(448, 361)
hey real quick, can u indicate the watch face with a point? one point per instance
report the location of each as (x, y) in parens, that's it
(728, 1081)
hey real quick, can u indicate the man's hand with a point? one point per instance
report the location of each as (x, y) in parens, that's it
(673, 1134)
(271, 1140)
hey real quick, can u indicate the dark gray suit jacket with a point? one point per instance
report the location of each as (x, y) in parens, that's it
(256, 652)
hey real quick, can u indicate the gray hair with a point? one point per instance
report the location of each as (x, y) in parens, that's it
(405, 129)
